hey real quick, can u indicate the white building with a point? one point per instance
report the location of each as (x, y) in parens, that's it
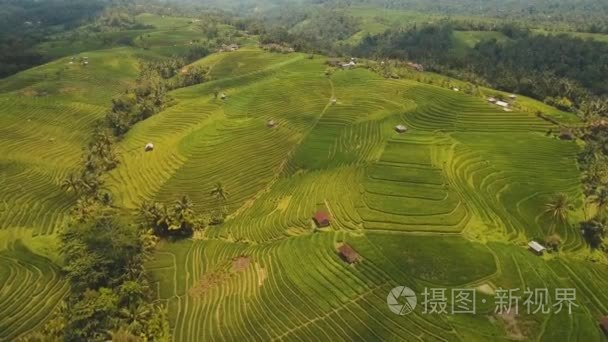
(502, 104)
(536, 247)
(400, 129)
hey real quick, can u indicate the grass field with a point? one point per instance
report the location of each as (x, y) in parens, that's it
(449, 204)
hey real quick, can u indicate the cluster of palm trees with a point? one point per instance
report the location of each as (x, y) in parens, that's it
(177, 220)
(100, 157)
(180, 219)
(559, 208)
(595, 228)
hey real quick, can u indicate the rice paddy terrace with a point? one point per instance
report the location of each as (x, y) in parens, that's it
(47, 116)
(451, 203)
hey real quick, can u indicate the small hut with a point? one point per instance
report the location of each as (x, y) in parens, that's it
(492, 100)
(416, 66)
(349, 65)
(604, 325)
(149, 147)
(348, 254)
(400, 129)
(513, 97)
(566, 134)
(223, 96)
(536, 248)
(502, 104)
(321, 219)
(271, 124)
(334, 100)
(456, 89)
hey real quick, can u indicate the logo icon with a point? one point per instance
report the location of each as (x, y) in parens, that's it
(401, 300)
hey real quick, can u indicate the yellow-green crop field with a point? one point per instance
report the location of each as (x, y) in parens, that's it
(451, 203)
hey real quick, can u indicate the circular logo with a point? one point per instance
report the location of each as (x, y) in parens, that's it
(401, 300)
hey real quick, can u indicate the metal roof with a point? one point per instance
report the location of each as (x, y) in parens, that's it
(536, 246)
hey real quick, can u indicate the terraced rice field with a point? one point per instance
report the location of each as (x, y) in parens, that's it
(30, 287)
(47, 118)
(451, 203)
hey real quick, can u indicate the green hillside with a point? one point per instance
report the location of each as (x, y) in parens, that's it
(466, 177)
(451, 203)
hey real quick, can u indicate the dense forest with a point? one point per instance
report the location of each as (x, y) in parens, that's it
(559, 69)
(579, 15)
(583, 15)
(24, 23)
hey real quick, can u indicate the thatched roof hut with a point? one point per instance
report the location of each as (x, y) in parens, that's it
(566, 134)
(149, 147)
(348, 254)
(271, 123)
(321, 219)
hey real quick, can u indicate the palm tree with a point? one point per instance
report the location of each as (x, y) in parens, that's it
(72, 184)
(559, 208)
(601, 202)
(182, 217)
(221, 195)
(123, 335)
(219, 192)
(183, 208)
(156, 215)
